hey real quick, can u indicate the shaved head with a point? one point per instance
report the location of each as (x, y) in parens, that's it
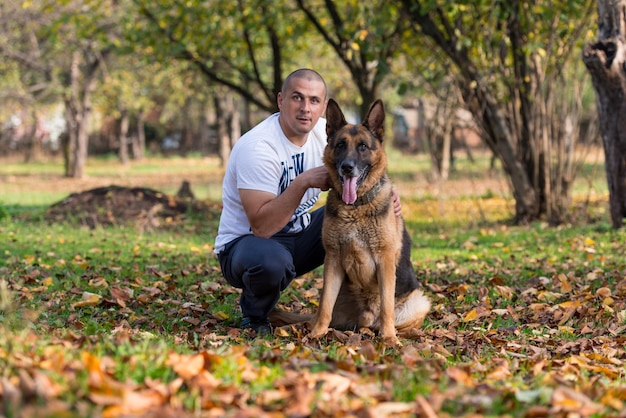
(305, 74)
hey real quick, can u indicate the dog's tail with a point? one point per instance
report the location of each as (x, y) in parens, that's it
(280, 318)
(411, 313)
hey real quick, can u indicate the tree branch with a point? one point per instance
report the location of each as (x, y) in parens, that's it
(212, 75)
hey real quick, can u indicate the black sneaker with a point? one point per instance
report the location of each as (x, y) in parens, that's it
(260, 326)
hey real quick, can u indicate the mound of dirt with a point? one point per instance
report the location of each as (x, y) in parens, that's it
(117, 205)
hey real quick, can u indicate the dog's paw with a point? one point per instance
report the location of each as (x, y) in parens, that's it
(392, 341)
(315, 334)
(365, 331)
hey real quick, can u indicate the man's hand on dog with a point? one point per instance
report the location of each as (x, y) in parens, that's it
(318, 177)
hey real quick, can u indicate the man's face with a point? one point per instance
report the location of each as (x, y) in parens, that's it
(301, 105)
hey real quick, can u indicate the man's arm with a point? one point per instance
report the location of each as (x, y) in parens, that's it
(268, 213)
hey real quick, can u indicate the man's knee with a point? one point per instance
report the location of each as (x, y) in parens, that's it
(271, 271)
(265, 264)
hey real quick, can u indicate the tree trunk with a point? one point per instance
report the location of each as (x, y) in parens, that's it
(441, 140)
(82, 144)
(186, 136)
(34, 139)
(223, 138)
(500, 141)
(228, 123)
(205, 130)
(520, 127)
(78, 111)
(606, 63)
(486, 110)
(234, 129)
(123, 137)
(368, 90)
(139, 140)
(70, 138)
(74, 116)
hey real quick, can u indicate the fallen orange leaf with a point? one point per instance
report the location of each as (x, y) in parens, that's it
(87, 299)
(460, 376)
(185, 366)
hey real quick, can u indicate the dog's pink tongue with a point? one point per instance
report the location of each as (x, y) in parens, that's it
(349, 190)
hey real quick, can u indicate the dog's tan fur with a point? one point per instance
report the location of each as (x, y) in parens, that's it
(364, 239)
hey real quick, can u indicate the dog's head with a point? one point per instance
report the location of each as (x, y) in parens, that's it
(354, 155)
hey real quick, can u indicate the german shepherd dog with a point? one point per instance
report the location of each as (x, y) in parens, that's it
(369, 281)
(368, 277)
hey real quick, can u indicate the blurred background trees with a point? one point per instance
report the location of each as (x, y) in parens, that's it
(132, 77)
(515, 67)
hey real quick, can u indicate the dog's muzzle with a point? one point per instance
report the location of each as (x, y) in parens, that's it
(351, 177)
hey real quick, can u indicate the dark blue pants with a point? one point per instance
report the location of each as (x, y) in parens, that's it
(263, 267)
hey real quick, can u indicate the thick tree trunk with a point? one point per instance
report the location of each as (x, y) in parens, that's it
(500, 141)
(368, 90)
(606, 62)
(486, 110)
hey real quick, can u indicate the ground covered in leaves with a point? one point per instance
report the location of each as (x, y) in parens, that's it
(112, 321)
(112, 305)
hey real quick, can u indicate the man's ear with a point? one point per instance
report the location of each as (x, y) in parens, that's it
(279, 100)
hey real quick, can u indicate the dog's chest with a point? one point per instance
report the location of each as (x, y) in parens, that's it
(349, 234)
(361, 246)
(359, 258)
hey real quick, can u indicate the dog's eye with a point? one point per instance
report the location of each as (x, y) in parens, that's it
(340, 145)
(362, 147)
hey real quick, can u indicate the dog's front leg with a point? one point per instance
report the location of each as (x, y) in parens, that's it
(333, 277)
(387, 286)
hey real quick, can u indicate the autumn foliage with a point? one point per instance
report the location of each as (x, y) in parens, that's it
(118, 320)
(147, 327)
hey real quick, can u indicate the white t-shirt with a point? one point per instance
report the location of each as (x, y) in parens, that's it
(264, 159)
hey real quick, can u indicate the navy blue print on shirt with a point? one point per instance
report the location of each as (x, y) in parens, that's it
(290, 171)
(298, 163)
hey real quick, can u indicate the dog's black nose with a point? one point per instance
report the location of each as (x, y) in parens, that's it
(347, 167)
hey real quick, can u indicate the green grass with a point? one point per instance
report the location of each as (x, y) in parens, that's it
(37, 185)
(520, 316)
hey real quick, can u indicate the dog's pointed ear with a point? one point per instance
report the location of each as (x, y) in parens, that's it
(335, 119)
(375, 119)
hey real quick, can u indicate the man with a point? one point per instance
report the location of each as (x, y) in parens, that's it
(267, 235)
